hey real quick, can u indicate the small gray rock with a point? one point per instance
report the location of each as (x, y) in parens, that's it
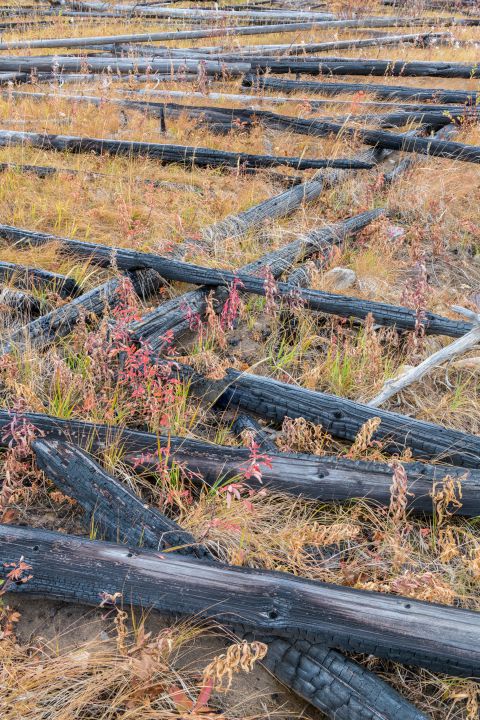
(341, 278)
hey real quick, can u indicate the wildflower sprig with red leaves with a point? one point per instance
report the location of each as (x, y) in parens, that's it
(147, 391)
(252, 469)
(232, 306)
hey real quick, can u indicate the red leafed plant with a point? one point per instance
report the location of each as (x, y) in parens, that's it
(19, 471)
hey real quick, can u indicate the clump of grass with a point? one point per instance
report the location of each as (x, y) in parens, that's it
(132, 673)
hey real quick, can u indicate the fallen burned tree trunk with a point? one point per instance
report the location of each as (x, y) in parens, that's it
(388, 92)
(274, 400)
(59, 322)
(113, 511)
(360, 66)
(19, 301)
(442, 639)
(167, 154)
(330, 303)
(28, 278)
(114, 65)
(327, 479)
(340, 687)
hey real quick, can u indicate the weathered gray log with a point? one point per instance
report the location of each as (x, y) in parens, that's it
(59, 322)
(421, 39)
(342, 688)
(166, 154)
(344, 306)
(112, 510)
(327, 479)
(27, 278)
(66, 63)
(295, 49)
(80, 78)
(195, 34)
(442, 639)
(352, 66)
(154, 36)
(250, 100)
(390, 92)
(19, 301)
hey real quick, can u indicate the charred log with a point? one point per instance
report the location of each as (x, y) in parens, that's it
(442, 639)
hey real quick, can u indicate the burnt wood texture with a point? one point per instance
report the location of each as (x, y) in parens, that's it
(27, 278)
(330, 303)
(442, 639)
(331, 682)
(326, 479)
(167, 154)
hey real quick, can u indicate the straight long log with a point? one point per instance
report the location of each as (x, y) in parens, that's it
(442, 639)
(166, 154)
(341, 688)
(186, 34)
(307, 48)
(326, 479)
(245, 99)
(330, 303)
(349, 66)
(388, 92)
(66, 63)
(27, 278)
